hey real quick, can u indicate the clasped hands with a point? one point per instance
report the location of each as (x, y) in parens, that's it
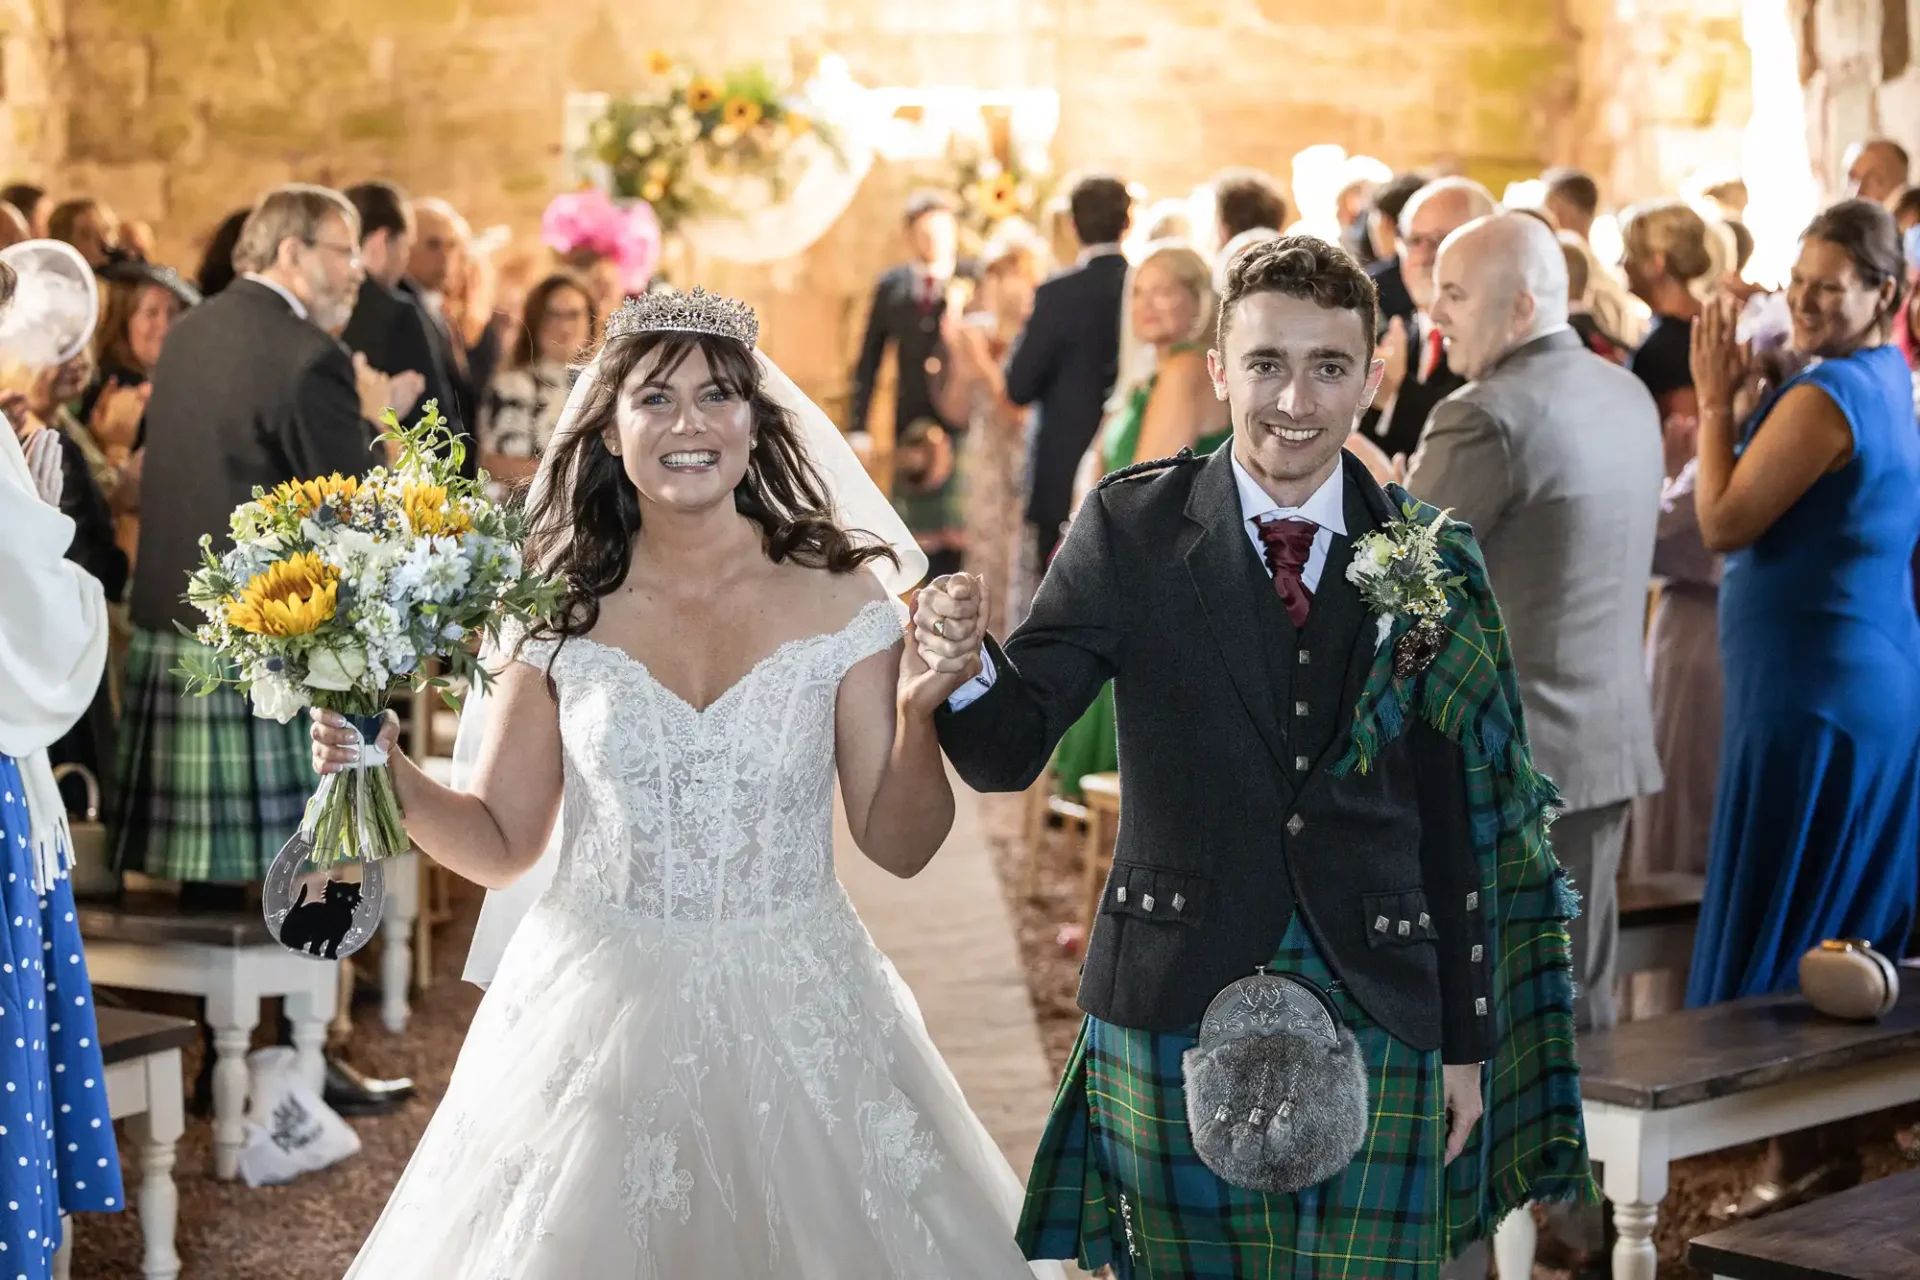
(944, 641)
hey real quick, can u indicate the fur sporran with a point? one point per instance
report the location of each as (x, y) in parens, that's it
(1276, 1087)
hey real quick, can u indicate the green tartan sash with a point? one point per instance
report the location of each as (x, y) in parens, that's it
(1531, 1144)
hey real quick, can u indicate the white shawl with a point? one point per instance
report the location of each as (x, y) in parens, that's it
(53, 647)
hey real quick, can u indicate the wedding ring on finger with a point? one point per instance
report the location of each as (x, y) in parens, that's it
(940, 627)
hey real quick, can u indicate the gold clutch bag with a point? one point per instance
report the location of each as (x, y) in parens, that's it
(1846, 978)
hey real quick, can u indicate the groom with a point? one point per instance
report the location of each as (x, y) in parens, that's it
(1303, 791)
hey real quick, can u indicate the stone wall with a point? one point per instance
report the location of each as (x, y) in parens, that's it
(179, 110)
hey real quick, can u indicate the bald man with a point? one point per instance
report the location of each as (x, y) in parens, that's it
(1877, 170)
(1552, 454)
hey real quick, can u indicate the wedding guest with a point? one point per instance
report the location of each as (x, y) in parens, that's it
(1817, 823)
(251, 391)
(1066, 358)
(614, 249)
(388, 327)
(32, 202)
(57, 1151)
(89, 226)
(973, 389)
(908, 304)
(1579, 313)
(1168, 406)
(216, 264)
(475, 317)
(1419, 372)
(1353, 208)
(1670, 267)
(142, 303)
(1245, 200)
(1169, 219)
(138, 241)
(1877, 169)
(1383, 234)
(93, 493)
(435, 260)
(1552, 456)
(524, 400)
(1573, 198)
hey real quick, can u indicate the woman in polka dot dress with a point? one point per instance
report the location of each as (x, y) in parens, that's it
(56, 1137)
(55, 1134)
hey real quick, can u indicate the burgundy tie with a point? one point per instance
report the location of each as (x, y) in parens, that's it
(1288, 544)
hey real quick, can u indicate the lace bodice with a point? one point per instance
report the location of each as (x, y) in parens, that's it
(683, 815)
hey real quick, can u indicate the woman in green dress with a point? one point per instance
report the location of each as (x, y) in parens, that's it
(1163, 402)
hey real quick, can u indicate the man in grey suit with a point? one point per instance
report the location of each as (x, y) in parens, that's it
(1552, 455)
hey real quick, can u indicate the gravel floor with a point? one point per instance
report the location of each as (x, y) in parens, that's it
(311, 1228)
(1696, 1184)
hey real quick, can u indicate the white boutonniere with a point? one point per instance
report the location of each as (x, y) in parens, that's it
(1399, 574)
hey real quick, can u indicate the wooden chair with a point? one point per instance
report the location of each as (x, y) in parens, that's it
(1102, 791)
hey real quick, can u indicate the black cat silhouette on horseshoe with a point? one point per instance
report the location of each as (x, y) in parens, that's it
(318, 928)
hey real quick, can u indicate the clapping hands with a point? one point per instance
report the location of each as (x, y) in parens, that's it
(943, 647)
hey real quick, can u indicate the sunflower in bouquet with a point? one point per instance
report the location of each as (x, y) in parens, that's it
(339, 591)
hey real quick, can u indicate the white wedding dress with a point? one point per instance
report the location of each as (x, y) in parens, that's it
(693, 1062)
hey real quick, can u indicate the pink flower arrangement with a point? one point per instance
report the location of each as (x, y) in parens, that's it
(587, 222)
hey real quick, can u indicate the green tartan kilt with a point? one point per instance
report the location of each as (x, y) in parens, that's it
(1116, 1181)
(208, 791)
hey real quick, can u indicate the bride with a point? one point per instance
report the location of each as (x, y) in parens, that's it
(692, 1060)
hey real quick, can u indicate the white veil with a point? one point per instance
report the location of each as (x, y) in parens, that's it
(857, 504)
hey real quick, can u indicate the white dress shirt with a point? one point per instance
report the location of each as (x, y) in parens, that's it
(299, 307)
(1326, 508)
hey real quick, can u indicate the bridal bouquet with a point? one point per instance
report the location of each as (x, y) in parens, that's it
(338, 591)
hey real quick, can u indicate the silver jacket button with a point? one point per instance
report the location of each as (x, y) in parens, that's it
(1179, 902)
(1120, 894)
(1299, 708)
(1300, 763)
(1473, 900)
(1296, 824)
(1379, 924)
(1146, 902)
(1305, 658)
(1406, 928)
(1480, 1006)
(1425, 919)
(1478, 952)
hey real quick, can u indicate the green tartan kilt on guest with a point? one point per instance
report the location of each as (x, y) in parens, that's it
(208, 790)
(1116, 1181)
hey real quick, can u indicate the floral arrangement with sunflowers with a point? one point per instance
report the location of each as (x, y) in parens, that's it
(685, 135)
(338, 591)
(994, 188)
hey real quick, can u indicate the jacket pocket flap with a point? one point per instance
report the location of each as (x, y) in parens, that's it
(1397, 919)
(1154, 893)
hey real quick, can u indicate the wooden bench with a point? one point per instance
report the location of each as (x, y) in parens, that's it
(1701, 1080)
(146, 942)
(144, 1088)
(1102, 794)
(1871, 1232)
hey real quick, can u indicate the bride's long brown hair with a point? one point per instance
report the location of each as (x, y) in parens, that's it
(582, 525)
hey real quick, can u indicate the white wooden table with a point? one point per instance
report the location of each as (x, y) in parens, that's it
(150, 944)
(1701, 1080)
(145, 1088)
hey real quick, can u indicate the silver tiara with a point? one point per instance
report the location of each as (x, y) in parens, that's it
(669, 311)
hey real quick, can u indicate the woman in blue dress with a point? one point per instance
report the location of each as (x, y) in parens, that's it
(1816, 825)
(57, 1151)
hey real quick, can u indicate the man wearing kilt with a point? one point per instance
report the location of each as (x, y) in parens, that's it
(1317, 781)
(252, 390)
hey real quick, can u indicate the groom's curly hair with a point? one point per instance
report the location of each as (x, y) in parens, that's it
(582, 526)
(1301, 267)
